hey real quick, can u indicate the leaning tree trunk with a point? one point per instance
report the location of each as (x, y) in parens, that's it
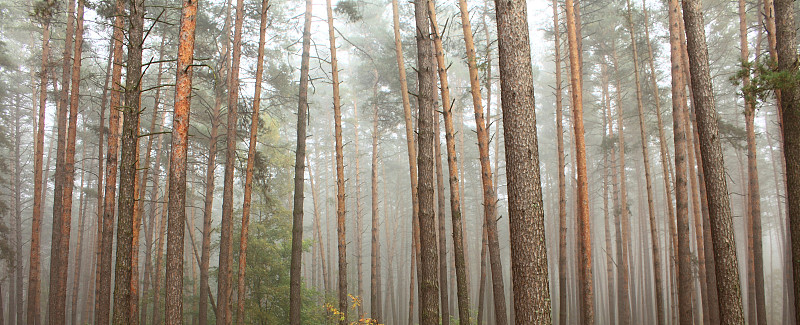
(452, 166)
(295, 299)
(177, 166)
(526, 214)
(727, 271)
(790, 95)
(427, 267)
(660, 316)
(584, 219)
(251, 153)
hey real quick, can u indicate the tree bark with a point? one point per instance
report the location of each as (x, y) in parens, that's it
(427, 267)
(359, 228)
(76, 278)
(790, 112)
(129, 164)
(526, 214)
(177, 166)
(727, 272)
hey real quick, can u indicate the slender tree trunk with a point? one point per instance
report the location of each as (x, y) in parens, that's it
(76, 278)
(34, 283)
(177, 166)
(730, 300)
(375, 268)
(562, 194)
(685, 281)
(103, 287)
(660, 315)
(251, 152)
(526, 214)
(623, 288)
(753, 192)
(584, 218)
(295, 299)
(358, 231)
(143, 186)
(129, 163)
(225, 286)
(452, 163)
(610, 263)
(428, 286)
(317, 229)
(56, 305)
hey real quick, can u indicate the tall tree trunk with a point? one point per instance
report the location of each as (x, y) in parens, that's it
(76, 278)
(34, 266)
(790, 94)
(610, 169)
(452, 161)
(660, 315)
(295, 299)
(584, 218)
(428, 286)
(623, 224)
(177, 166)
(562, 194)
(359, 227)
(219, 90)
(411, 146)
(727, 272)
(318, 232)
(129, 164)
(375, 267)
(440, 219)
(103, 287)
(251, 153)
(224, 283)
(143, 187)
(57, 294)
(753, 192)
(526, 214)
(685, 281)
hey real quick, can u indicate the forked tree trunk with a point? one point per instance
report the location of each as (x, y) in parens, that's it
(103, 287)
(526, 214)
(427, 266)
(177, 166)
(660, 314)
(295, 298)
(727, 271)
